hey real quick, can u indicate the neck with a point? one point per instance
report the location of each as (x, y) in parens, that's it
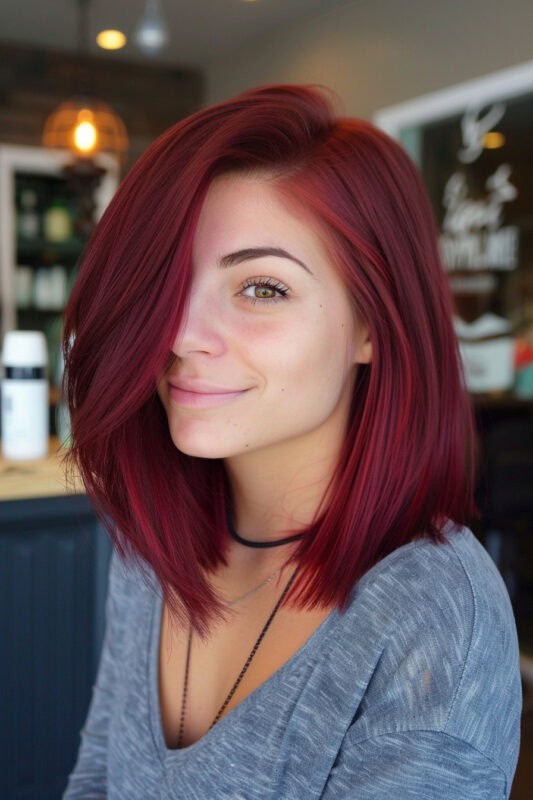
(279, 489)
(271, 504)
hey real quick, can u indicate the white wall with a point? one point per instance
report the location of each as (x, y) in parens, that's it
(378, 52)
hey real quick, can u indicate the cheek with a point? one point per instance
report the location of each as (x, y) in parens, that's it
(322, 361)
(301, 361)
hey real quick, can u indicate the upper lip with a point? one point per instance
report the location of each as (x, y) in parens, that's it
(200, 387)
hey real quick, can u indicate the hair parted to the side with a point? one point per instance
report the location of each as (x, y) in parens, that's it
(410, 457)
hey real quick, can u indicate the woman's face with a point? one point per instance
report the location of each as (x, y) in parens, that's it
(290, 347)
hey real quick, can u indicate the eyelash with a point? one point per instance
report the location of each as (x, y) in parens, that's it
(270, 283)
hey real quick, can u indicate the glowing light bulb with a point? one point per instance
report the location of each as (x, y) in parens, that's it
(85, 135)
(111, 39)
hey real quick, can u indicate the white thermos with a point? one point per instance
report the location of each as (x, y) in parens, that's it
(25, 396)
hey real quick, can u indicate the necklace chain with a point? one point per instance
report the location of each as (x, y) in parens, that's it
(250, 657)
(232, 603)
(253, 591)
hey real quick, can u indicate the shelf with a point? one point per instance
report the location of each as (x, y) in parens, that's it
(31, 248)
(32, 309)
(501, 400)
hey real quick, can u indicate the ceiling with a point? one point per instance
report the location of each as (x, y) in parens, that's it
(199, 30)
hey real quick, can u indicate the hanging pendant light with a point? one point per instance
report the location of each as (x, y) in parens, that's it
(151, 34)
(84, 124)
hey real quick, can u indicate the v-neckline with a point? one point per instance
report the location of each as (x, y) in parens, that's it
(154, 704)
(175, 756)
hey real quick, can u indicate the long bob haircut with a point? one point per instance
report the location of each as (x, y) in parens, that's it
(410, 457)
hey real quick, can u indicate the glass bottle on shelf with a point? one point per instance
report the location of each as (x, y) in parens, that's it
(57, 286)
(23, 285)
(57, 221)
(27, 215)
(41, 288)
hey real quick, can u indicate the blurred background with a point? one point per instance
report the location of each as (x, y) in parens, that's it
(85, 87)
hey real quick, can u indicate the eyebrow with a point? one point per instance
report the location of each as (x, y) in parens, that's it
(249, 253)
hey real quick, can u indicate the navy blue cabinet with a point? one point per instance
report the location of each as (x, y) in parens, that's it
(54, 560)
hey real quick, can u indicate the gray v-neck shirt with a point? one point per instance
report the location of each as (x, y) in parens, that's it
(414, 690)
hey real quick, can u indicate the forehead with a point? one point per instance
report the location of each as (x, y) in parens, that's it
(241, 211)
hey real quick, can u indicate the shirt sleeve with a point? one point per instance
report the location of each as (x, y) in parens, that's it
(89, 776)
(414, 765)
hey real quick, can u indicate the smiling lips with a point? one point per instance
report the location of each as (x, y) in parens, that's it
(200, 387)
(199, 394)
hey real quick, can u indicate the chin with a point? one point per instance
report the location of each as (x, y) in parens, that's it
(199, 448)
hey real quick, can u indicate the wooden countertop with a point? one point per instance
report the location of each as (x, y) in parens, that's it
(43, 477)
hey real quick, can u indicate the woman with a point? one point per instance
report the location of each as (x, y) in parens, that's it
(269, 413)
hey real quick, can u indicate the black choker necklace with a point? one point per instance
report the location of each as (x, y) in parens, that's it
(251, 543)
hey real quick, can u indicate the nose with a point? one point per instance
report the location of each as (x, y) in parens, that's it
(200, 331)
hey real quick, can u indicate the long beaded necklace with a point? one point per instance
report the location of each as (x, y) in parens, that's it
(249, 543)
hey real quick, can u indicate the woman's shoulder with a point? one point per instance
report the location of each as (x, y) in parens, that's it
(456, 582)
(445, 647)
(130, 580)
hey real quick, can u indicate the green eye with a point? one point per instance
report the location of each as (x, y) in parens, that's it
(266, 283)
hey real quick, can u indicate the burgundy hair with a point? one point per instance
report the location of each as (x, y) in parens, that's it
(410, 458)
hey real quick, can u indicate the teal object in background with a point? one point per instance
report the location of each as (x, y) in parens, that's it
(523, 386)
